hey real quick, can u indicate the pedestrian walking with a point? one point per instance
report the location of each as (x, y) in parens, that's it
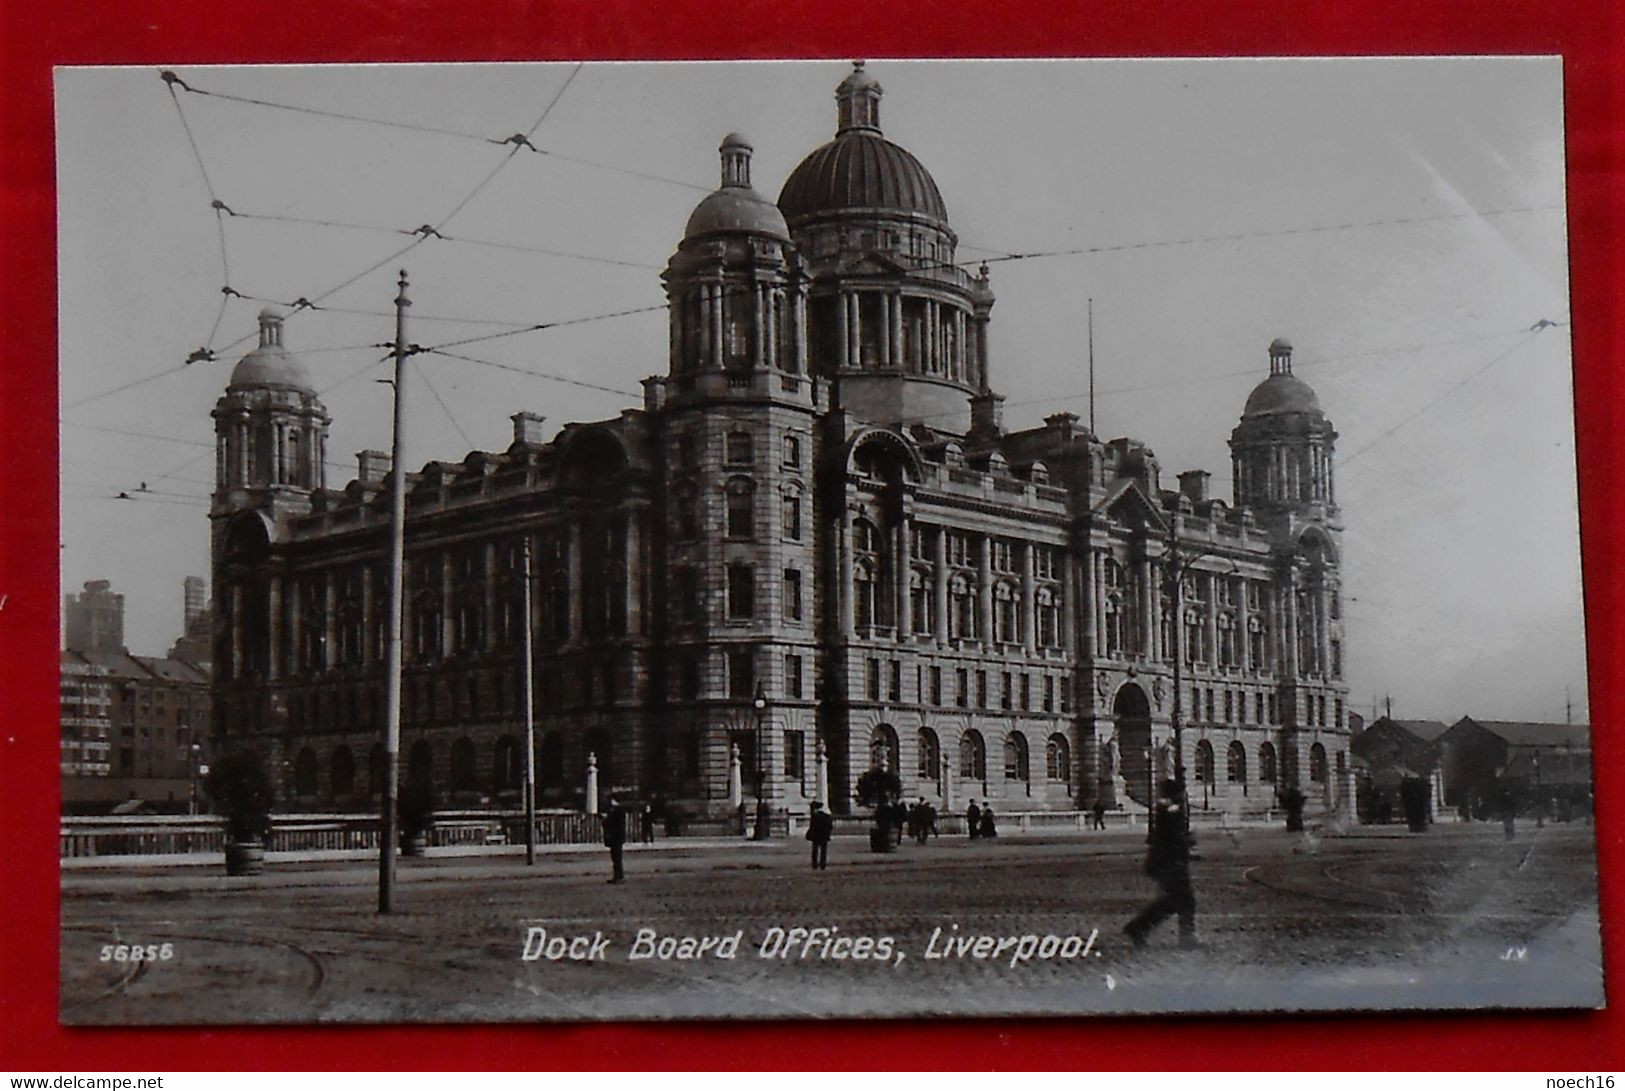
(989, 828)
(1097, 814)
(615, 839)
(820, 827)
(1167, 862)
(647, 821)
(973, 820)
(929, 828)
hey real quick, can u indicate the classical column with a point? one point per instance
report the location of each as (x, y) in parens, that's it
(237, 631)
(984, 590)
(330, 619)
(772, 300)
(634, 571)
(296, 629)
(885, 330)
(959, 344)
(903, 571)
(1244, 649)
(1290, 633)
(939, 565)
(933, 337)
(1069, 601)
(1028, 620)
(1097, 563)
(448, 619)
(701, 296)
(1148, 610)
(488, 582)
(758, 325)
(798, 332)
(897, 329)
(243, 453)
(716, 308)
(843, 314)
(981, 354)
(843, 593)
(573, 575)
(1212, 579)
(854, 327)
(273, 618)
(1323, 628)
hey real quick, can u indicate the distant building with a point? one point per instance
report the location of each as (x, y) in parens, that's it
(1486, 761)
(129, 723)
(87, 699)
(813, 550)
(1388, 753)
(196, 644)
(93, 620)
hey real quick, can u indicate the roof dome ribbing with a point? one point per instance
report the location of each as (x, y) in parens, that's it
(736, 207)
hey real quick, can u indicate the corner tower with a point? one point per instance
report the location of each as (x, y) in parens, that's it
(1281, 451)
(895, 323)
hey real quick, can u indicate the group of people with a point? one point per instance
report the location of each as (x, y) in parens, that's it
(979, 821)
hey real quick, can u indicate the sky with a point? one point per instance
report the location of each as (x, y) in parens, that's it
(1400, 221)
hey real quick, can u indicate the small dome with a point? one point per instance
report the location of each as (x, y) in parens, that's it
(1281, 393)
(270, 364)
(1280, 345)
(859, 80)
(735, 210)
(738, 140)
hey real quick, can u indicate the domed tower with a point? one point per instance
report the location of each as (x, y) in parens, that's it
(900, 327)
(736, 577)
(1281, 452)
(734, 289)
(270, 429)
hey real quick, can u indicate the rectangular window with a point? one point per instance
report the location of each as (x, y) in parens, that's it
(1274, 709)
(689, 678)
(894, 682)
(1229, 706)
(688, 594)
(1066, 693)
(790, 522)
(962, 687)
(1338, 722)
(1026, 693)
(1049, 693)
(792, 594)
(981, 689)
(871, 679)
(794, 752)
(1007, 689)
(936, 685)
(1337, 658)
(1210, 705)
(738, 449)
(741, 674)
(792, 451)
(792, 676)
(741, 591)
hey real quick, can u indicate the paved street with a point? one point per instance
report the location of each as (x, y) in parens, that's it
(1457, 917)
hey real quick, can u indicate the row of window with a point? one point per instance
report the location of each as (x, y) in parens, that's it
(1016, 690)
(1232, 706)
(739, 450)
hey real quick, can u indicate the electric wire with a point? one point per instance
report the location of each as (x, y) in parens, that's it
(444, 408)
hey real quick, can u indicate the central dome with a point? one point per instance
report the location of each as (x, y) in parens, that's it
(1284, 393)
(860, 170)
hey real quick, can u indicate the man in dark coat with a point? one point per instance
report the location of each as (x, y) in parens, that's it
(820, 827)
(1168, 862)
(973, 820)
(615, 838)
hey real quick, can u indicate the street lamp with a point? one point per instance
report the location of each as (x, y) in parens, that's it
(762, 831)
(195, 752)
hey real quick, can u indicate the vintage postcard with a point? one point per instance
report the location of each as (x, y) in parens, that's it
(819, 539)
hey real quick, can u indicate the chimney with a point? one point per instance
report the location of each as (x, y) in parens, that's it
(527, 429)
(654, 394)
(1193, 483)
(987, 416)
(371, 467)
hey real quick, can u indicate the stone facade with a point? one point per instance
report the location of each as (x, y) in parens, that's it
(813, 549)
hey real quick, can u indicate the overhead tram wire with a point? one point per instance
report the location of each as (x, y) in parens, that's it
(549, 376)
(423, 373)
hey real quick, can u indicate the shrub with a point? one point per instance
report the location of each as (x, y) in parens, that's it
(878, 787)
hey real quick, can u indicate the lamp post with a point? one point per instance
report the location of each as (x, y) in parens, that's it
(195, 753)
(762, 831)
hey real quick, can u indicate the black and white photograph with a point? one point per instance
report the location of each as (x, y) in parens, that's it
(819, 539)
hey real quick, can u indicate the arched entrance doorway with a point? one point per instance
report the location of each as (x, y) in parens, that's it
(1131, 716)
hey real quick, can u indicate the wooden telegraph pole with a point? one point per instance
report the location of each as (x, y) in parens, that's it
(530, 719)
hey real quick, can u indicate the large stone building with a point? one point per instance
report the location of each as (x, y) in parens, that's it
(814, 548)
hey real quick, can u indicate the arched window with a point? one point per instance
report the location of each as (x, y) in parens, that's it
(741, 508)
(1038, 473)
(930, 754)
(1236, 761)
(921, 601)
(377, 770)
(1058, 759)
(1266, 763)
(883, 748)
(1204, 762)
(1317, 764)
(463, 775)
(550, 760)
(305, 773)
(508, 771)
(1015, 757)
(343, 771)
(972, 756)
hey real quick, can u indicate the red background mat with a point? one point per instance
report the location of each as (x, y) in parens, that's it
(37, 34)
